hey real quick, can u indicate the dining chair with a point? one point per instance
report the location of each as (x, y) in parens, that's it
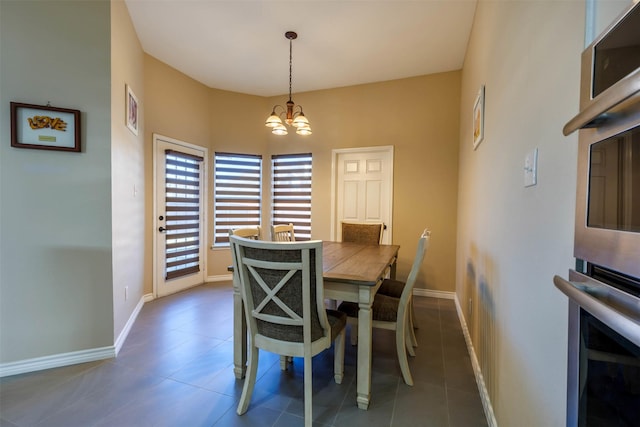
(283, 293)
(253, 232)
(393, 313)
(282, 233)
(393, 288)
(369, 233)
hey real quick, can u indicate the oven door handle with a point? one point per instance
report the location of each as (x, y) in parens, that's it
(595, 299)
(623, 98)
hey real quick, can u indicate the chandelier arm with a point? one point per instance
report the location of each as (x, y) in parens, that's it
(273, 111)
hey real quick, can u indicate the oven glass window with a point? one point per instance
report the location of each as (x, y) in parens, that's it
(617, 54)
(609, 376)
(614, 183)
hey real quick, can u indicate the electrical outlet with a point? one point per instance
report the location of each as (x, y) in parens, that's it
(126, 293)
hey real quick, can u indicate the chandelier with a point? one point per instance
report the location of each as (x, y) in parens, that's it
(293, 115)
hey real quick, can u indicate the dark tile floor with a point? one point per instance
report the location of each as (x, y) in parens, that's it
(176, 369)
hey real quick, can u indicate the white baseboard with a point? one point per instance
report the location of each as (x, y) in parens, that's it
(74, 357)
(433, 294)
(56, 361)
(219, 278)
(482, 388)
(127, 327)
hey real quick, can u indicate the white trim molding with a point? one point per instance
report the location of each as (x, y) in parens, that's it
(219, 278)
(74, 357)
(127, 327)
(482, 388)
(56, 361)
(420, 292)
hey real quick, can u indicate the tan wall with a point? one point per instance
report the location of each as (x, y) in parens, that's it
(512, 240)
(418, 116)
(181, 108)
(128, 169)
(237, 126)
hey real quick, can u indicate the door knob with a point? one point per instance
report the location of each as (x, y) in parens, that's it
(162, 229)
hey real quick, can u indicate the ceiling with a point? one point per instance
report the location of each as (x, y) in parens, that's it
(239, 45)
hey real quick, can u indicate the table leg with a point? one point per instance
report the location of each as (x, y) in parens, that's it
(239, 335)
(392, 270)
(365, 316)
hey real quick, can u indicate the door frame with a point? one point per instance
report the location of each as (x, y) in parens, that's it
(335, 153)
(205, 205)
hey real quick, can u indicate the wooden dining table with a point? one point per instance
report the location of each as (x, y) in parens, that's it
(352, 272)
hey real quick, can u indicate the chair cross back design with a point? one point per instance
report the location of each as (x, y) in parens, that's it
(366, 233)
(282, 233)
(283, 294)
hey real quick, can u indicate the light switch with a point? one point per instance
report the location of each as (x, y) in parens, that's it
(531, 168)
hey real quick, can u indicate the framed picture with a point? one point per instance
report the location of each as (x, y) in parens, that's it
(45, 127)
(132, 111)
(478, 118)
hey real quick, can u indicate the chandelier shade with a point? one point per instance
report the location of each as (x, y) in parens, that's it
(292, 115)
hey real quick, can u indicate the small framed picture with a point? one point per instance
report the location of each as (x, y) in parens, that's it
(478, 118)
(45, 127)
(132, 111)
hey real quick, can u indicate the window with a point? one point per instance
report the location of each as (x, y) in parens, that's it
(291, 192)
(237, 193)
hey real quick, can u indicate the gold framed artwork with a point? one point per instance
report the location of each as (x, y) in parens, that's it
(132, 110)
(45, 127)
(478, 118)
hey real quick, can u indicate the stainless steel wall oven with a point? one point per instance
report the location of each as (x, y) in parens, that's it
(604, 289)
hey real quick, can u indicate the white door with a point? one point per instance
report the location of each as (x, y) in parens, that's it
(180, 199)
(362, 187)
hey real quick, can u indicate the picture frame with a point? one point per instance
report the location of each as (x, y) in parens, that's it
(131, 110)
(45, 127)
(478, 118)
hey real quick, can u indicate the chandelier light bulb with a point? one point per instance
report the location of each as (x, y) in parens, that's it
(273, 120)
(279, 130)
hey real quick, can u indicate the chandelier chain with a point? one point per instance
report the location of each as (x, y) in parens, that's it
(290, 65)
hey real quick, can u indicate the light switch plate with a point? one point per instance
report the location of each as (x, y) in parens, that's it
(531, 168)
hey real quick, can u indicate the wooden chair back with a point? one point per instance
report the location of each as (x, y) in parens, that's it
(407, 292)
(254, 233)
(282, 233)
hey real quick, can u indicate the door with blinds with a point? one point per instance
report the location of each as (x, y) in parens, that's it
(180, 198)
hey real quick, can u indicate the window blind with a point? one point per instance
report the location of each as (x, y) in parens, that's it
(182, 210)
(237, 193)
(291, 192)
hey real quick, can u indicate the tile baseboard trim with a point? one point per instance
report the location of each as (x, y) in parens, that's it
(482, 388)
(56, 361)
